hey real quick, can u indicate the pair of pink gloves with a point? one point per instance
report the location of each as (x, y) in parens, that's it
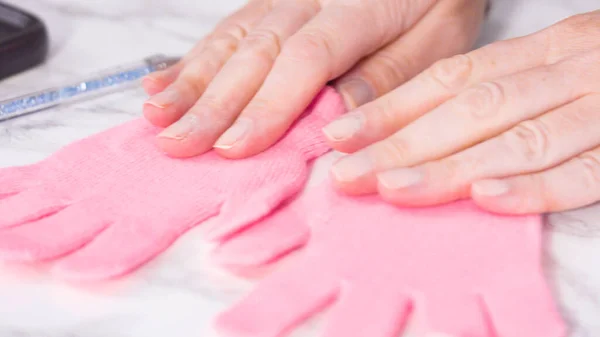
(105, 205)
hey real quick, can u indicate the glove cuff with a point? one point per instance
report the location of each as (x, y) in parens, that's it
(307, 135)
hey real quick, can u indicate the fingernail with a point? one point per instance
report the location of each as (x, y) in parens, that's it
(149, 80)
(345, 127)
(490, 188)
(234, 134)
(180, 129)
(400, 178)
(356, 92)
(159, 75)
(352, 167)
(164, 99)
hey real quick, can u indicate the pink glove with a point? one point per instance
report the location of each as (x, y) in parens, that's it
(464, 272)
(113, 201)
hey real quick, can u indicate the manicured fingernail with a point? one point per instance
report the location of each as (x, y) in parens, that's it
(345, 127)
(164, 99)
(234, 134)
(180, 129)
(149, 80)
(352, 167)
(400, 178)
(490, 188)
(159, 75)
(356, 92)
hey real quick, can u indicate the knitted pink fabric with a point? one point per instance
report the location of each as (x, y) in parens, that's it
(113, 201)
(460, 271)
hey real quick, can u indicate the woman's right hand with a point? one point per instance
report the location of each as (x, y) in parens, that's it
(240, 88)
(512, 125)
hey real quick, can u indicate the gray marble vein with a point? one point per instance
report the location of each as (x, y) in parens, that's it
(178, 293)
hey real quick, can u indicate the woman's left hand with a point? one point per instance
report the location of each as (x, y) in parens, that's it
(243, 85)
(515, 125)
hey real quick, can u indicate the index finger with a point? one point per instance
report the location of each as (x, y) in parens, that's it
(436, 85)
(324, 48)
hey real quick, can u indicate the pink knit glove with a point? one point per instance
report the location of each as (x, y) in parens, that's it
(113, 201)
(464, 272)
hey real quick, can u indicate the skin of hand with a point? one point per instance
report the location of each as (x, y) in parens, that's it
(240, 88)
(513, 125)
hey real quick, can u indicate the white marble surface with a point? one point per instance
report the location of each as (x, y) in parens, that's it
(178, 293)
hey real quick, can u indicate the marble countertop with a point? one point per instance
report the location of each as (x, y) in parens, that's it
(178, 293)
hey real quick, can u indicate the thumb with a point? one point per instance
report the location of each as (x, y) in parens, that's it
(449, 28)
(267, 241)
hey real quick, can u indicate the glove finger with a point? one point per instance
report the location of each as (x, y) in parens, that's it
(265, 242)
(373, 312)
(125, 245)
(50, 237)
(454, 315)
(524, 308)
(279, 303)
(29, 205)
(248, 205)
(16, 179)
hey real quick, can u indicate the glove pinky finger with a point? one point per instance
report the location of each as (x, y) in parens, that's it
(267, 241)
(572, 184)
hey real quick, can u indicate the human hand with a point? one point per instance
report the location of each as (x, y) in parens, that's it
(514, 125)
(241, 87)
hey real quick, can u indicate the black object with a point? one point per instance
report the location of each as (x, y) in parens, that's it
(23, 40)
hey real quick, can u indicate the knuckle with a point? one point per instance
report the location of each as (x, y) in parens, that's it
(398, 11)
(196, 75)
(590, 162)
(195, 51)
(459, 172)
(389, 153)
(262, 43)
(467, 165)
(579, 22)
(193, 69)
(390, 70)
(383, 113)
(529, 140)
(311, 46)
(401, 13)
(236, 31)
(452, 168)
(222, 42)
(483, 100)
(452, 73)
(193, 79)
(377, 15)
(572, 35)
